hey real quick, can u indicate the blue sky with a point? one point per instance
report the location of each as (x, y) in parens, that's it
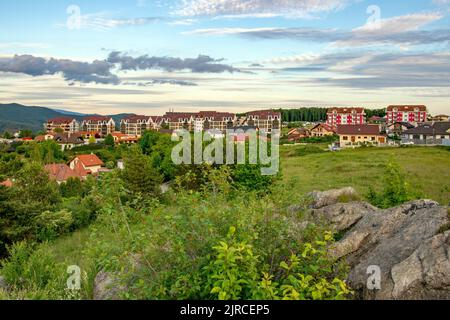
(147, 56)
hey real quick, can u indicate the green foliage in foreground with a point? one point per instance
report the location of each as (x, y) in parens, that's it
(214, 244)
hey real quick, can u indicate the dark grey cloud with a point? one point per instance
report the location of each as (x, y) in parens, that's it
(97, 71)
(201, 64)
(101, 71)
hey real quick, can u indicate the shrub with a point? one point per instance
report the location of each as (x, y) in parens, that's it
(396, 189)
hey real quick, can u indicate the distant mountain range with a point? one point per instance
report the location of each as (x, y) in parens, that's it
(14, 117)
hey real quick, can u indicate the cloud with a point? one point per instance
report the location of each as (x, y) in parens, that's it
(201, 64)
(162, 82)
(401, 30)
(376, 71)
(258, 8)
(101, 71)
(97, 71)
(304, 34)
(102, 21)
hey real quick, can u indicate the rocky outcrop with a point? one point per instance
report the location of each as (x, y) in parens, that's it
(108, 286)
(321, 199)
(409, 245)
(3, 283)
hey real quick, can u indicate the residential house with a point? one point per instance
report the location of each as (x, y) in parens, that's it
(64, 124)
(90, 134)
(296, 134)
(121, 138)
(44, 137)
(441, 118)
(397, 128)
(356, 135)
(206, 120)
(103, 124)
(89, 162)
(62, 172)
(406, 113)
(322, 130)
(379, 120)
(435, 133)
(266, 120)
(68, 141)
(345, 116)
(8, 183)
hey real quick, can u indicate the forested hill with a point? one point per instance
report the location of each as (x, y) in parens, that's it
(14, 117)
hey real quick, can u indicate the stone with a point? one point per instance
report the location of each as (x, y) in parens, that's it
(341, 216)
(406, 244)
(3, 283)
(321, 199)
(108, 286)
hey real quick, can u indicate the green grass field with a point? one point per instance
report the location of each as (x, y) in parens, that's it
(427, 169)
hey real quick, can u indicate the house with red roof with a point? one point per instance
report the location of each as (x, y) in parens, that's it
(66, 124)
(294, 135)
(61, 172)
(8, 183)
(322, 130)
(102, 124)
(359, 134)
(89, 163)
(120, 138)
(345, 116)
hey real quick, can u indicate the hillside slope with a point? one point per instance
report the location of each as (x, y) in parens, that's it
(14, 117)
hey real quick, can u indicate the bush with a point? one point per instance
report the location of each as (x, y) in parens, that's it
(33, 273)
(396, 190)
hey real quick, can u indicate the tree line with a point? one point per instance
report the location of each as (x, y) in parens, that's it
(318, 114)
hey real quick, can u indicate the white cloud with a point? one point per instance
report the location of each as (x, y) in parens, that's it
(258, 8)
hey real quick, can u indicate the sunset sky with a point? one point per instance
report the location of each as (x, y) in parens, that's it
(149, 56)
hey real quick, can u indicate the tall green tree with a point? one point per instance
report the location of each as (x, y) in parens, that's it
(109, 141)
(139, 176)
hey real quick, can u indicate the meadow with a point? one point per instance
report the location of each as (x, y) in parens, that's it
(427, 168)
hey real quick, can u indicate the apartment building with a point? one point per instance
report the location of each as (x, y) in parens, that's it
(64, 124)
(406, 113)
(136, 125)
(345, 116)
(102, 124)
(178, 120)
(266, 120)
(206, 120)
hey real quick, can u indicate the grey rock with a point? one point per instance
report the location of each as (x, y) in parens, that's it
(3, 283)
(341, 216)
(321, 199)
(108, 286)
(404, 242)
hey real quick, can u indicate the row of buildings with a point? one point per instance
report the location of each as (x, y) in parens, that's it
(135, 125)
(411, 124)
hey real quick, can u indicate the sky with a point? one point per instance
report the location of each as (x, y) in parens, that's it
(152, 56)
